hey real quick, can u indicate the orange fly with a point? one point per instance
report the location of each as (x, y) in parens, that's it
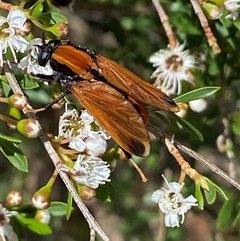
(115, 96)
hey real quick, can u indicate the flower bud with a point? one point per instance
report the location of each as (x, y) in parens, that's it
(29, 127)
(18, 101)
(212, 11)
(43, 216)
(40, 200)
(14, 198)
(87, 193)
(62, 30)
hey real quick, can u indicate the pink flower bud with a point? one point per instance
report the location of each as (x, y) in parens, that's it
(14, 198)
(29, 127)
(18, 100)
(62, 29)
(87, 193)
(40, 200)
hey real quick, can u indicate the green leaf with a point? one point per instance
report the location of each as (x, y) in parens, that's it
(59, 18)
(211, 194)
(218, 189)
(12, 152)
(37, 10)
(69, 206)
(58, 208)
(6, 88)
(35, 225)
(197, 94)
(227, 213)
(50, 19)
(162, 117)
(237, 24)
(10, 138)
(199, 196)
(104, 192)
(28, 83)
(12, 111)
(189, 126)
(237, 219)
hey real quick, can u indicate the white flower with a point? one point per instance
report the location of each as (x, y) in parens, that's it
(72, 125)
(84, 134)
(6, 231)
(93, 171)
(30, 62)
(198, 105)
(172, 203)
(93, 145)
(232, 7)
(8, 38)
(173, 67)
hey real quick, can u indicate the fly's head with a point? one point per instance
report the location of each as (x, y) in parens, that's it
(46, 50)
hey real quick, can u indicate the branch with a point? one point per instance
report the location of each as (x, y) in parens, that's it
(212, 41)
(29, 112)
(161, 135)
(165, 22)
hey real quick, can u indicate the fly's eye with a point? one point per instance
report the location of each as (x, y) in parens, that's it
(43, 57)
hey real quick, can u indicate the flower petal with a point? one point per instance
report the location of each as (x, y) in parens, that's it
(17, 18)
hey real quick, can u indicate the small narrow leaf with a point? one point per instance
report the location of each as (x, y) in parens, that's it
(199, 196)
(210, 195)
(69, 206)
(58, 209)
(218, 189)
(37, 10)
(35, 225)
(227, 213)
(28, 83)
(12, 152)
(197, 94)
(162, 117)
(59, 18)
(190, 127)
(5, 88)
(10, 138)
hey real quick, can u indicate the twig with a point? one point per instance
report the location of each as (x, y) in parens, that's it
(161, 135)
(29, 112)
(185, 166)
(165, 22)
(212, 41)
(7, 6)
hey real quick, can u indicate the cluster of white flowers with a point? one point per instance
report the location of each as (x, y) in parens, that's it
(172, 203)
(87, 137)
(173, 67)
(9, 26)
(6, 230)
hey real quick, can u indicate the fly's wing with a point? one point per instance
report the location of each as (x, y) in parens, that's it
(134, 86)
(116, 114)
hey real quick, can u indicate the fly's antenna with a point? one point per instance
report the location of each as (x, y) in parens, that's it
(43, 39)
